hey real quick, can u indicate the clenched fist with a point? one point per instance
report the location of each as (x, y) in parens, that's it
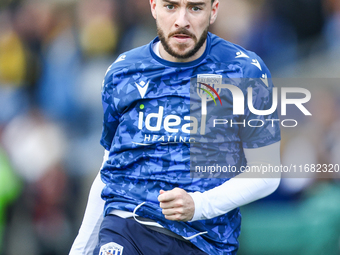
(177, 204)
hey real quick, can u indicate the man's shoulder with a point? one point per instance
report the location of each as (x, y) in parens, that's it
(229, 53)
(128, 62)
(128, 58)
(223, 49)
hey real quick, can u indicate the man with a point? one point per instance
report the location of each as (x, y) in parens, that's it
(152, 203)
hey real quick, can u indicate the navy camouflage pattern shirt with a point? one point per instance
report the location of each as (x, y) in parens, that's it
(155, 132)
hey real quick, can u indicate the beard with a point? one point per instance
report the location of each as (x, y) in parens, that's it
(170, 50)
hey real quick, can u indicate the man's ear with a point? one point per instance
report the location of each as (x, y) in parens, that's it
(214, 11)
(153, 8)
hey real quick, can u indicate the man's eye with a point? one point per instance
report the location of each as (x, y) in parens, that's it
(170, 7)
(195, 8)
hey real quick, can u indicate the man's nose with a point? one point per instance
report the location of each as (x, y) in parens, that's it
(182, 20)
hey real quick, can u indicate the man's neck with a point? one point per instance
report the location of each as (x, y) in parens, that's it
(165, 55)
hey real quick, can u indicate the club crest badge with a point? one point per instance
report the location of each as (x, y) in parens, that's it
(111, 249)
(208, 89)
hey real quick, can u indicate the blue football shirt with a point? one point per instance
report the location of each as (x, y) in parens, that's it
(153, 129)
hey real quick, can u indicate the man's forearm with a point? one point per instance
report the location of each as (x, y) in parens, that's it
(87, 237)
(241, 190)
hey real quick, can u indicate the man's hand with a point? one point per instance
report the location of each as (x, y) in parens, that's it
(177, 204)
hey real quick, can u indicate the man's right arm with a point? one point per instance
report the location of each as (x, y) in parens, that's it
(87, 237)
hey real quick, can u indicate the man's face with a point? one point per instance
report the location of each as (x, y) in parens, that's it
(182, 25)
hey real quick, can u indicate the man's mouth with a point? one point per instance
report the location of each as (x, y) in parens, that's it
(181, 37)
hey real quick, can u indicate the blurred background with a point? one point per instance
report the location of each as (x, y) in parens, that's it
(53, 57)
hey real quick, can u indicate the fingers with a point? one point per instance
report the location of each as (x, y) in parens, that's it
(170, 201)
(175, 214)
(172, 213)
(167, 196)
(176, 204)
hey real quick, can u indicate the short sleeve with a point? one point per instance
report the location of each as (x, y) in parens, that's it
(111, 116)
(259, 130)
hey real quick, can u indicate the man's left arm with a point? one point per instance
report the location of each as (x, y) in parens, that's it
(261, 148)
(245, 188)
